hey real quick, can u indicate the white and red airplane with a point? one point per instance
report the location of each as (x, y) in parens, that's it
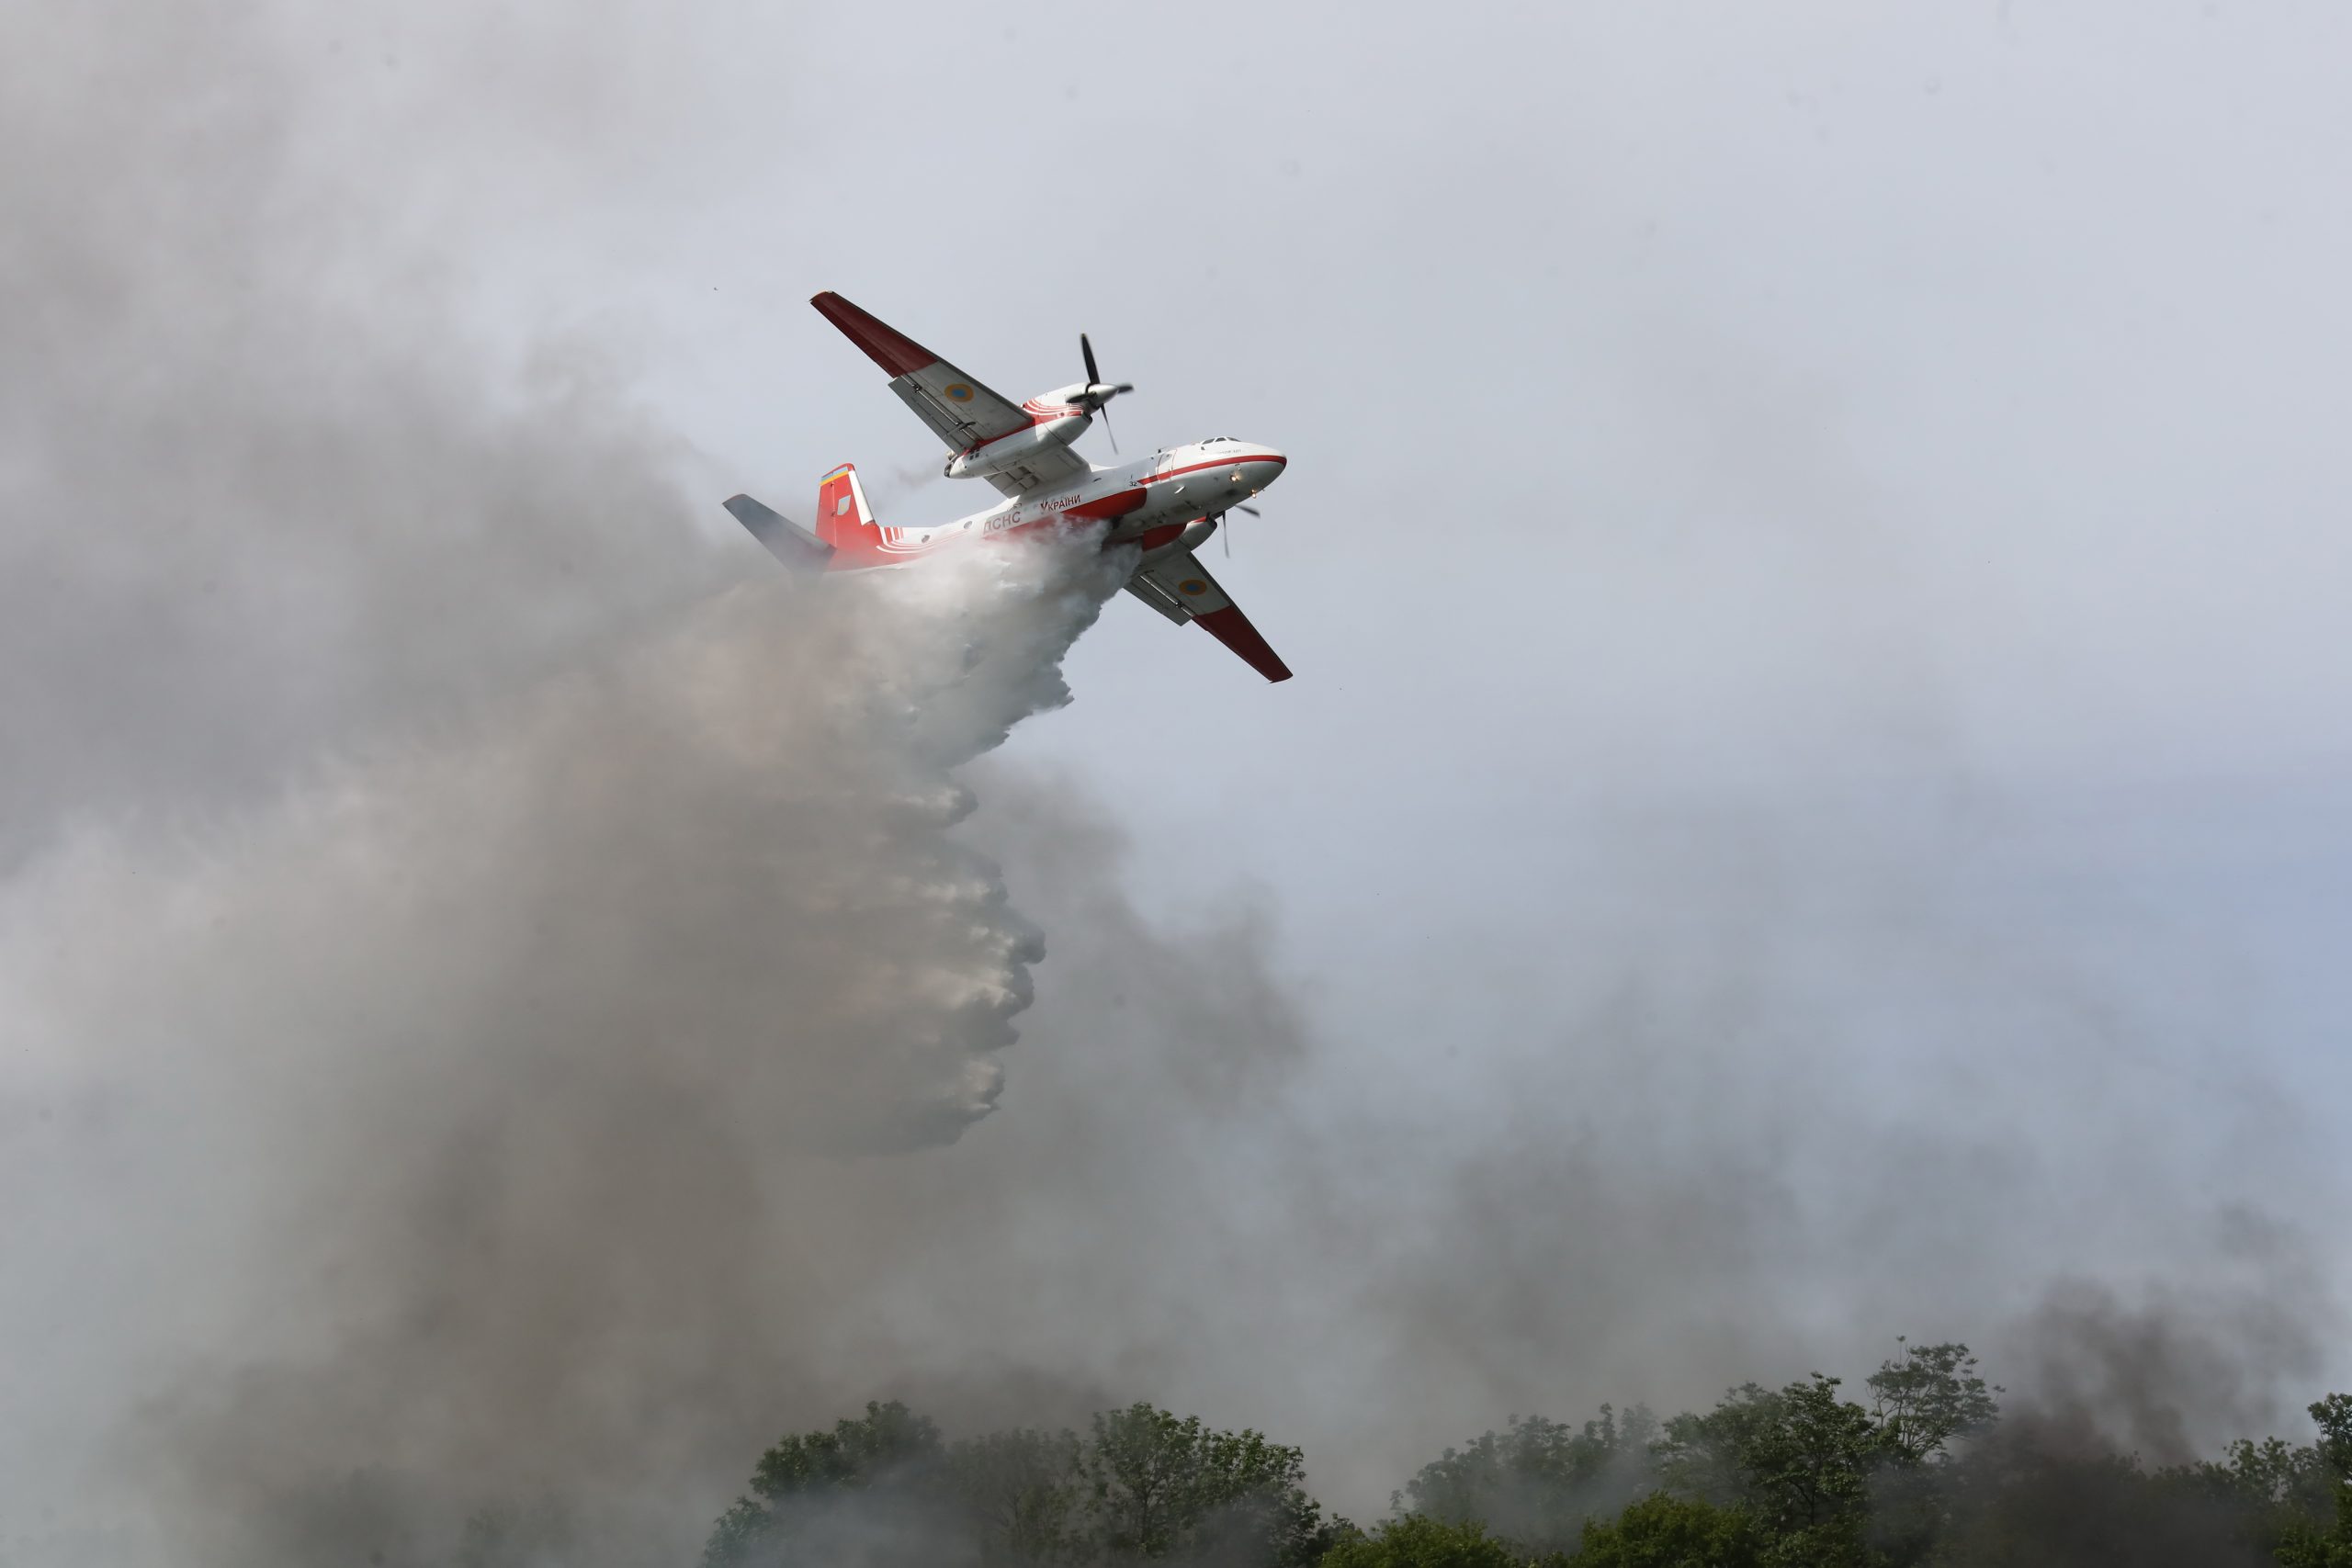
(1169, 503)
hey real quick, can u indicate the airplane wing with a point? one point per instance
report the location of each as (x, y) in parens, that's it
(1180, 588)
(960, 410)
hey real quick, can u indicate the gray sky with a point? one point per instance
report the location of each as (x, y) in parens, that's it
(1814, 805)
(1925, 417)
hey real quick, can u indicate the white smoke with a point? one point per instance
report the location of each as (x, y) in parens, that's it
(488, 1052)
(468, 1121)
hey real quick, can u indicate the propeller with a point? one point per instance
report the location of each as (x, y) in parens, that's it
(1097, 394)
(1226, 530)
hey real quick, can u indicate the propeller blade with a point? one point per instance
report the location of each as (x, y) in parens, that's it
(1250, 510)
(1226, 532)
(1104, 409)
(1086, 348)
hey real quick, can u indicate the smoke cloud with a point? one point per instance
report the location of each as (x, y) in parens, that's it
(265, 488)
(445, 950)
(505, 1056)
(496, 989)
(2158, 1374)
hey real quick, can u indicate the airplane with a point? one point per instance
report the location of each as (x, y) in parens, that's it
(1169, 503)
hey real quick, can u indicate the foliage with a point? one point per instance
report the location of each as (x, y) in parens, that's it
(1665, 1531)
(1537, 1482)
(2333, 1417)
(2320, 1536)
(889, 1440)
(2041, 1493)
(1928, 1397)
(1160, 1486)
(1143, 1485)
(1019, 1492)
(1797, 1459)
(1416, 1540)
(1927, 1476)
(799, 1509)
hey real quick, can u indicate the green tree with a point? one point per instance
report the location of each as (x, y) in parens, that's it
(1929, 1396)
(1799, 1459)
(888, 1441)
(1019, 1493)
(2308, 1542)
(1537, 1482)
(1416, 1540)
(1666, 1531)
(2275, 1493)
(1923, 1402)
(1142, 1485)
(2050, 1494)
(1160, 1487)
(2334, 1416)
(798, 1486)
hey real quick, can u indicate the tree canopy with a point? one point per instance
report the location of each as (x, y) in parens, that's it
(1142, 1485)
(1928, 1473)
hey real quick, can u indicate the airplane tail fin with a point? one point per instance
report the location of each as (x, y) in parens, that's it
(842, 516)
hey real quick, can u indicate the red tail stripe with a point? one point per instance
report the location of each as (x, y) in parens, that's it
(839, 529)
(892, 350)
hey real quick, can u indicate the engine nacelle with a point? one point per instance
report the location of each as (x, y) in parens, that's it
(1008, 451)
(1167, 539)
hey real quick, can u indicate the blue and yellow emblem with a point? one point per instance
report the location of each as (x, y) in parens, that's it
(958, 390)
(1194, 585)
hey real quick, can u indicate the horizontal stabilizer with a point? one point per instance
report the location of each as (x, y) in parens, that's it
(785, 539)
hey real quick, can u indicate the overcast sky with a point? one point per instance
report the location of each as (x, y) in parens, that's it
(1816, 802)
(1815, 471)
(1922, 419)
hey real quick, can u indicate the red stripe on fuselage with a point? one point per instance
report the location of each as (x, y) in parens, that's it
(1221, 463)
(1102, 508)
(1118, 503)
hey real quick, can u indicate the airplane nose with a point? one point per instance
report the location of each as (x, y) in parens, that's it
(1270, 465)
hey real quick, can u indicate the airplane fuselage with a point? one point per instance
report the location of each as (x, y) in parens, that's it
(1170, 499)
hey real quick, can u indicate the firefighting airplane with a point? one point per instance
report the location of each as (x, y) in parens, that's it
(1169, 503)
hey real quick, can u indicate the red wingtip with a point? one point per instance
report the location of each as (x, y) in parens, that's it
(1231, 627)
(895, 352)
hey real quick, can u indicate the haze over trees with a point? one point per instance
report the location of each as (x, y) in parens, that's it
(1922, 1470)
(1141, 1486)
